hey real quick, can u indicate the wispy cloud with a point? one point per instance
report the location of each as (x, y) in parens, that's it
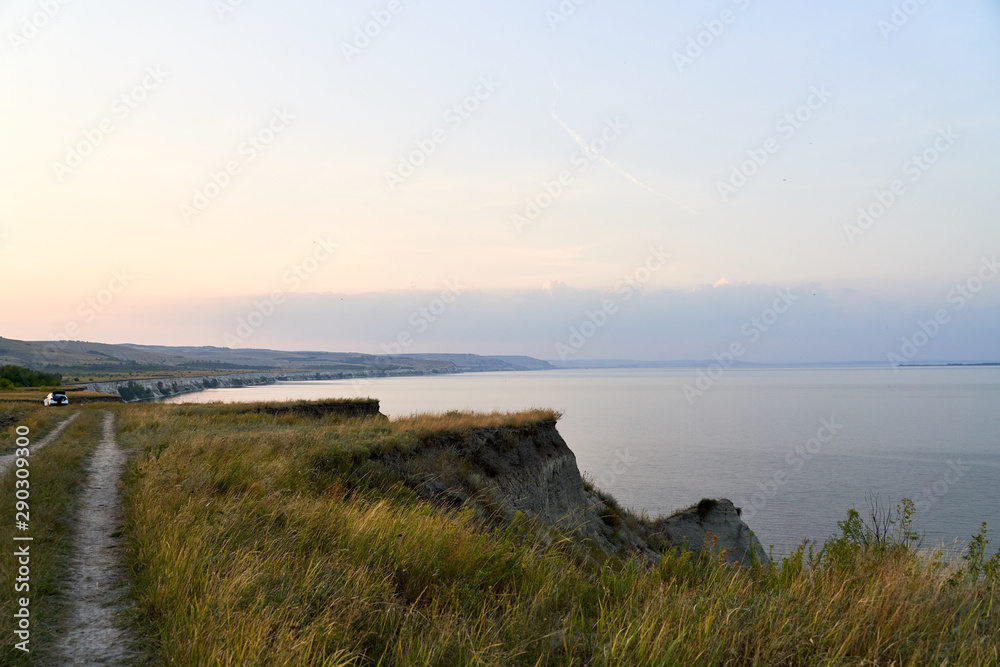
(582, 143)
(664, 324)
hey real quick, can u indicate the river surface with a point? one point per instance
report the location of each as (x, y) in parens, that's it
(794, 447)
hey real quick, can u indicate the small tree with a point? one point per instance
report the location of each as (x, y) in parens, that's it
(884, 532)
(975, 566)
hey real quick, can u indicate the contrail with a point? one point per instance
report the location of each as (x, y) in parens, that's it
(583, 144)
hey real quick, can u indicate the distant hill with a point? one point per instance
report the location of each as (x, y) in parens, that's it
(42, 355)
(474, 362)
(80, 357)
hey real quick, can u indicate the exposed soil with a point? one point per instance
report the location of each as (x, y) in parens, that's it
(95, 593)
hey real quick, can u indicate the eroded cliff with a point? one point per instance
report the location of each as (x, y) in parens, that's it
(529, 469)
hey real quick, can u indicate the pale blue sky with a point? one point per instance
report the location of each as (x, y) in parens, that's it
(323, 177)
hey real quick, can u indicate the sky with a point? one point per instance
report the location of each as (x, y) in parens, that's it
(569, 180)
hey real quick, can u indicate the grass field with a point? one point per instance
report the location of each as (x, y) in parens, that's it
(57, 476)
(257, 539)
(35, 396)
(284, 538)
(33, 415)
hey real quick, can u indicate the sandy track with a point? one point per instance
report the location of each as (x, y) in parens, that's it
(5, 461)
(93, 634)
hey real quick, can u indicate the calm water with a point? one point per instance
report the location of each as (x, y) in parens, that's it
(756, 436)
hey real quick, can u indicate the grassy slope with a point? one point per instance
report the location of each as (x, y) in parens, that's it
(34, 397)
(38, 418)
(57, 477)
(94, 362)
(253, 543)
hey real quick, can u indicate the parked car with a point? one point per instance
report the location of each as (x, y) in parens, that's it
(56, 398)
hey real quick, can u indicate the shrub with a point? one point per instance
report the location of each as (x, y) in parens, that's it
(705, 505)
(974, 563)
(133, 390)
(884, 533)
(25, 377)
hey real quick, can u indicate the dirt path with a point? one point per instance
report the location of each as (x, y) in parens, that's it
(5, 461)
(93, 633)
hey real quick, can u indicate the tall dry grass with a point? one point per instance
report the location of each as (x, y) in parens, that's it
(459, 420)
(38, 418)
(253, 542)
(57, 477)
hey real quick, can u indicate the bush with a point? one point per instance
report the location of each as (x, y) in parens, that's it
(133, 391)
(884, 533)
(705, 506)
(975, 565)
(19, 376)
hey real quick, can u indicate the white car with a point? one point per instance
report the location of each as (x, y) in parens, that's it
(56, 398)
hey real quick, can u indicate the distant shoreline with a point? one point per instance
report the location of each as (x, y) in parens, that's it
(681, 365)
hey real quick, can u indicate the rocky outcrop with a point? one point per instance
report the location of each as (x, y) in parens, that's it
(529, 470)
(714, 521)
(147, 388)
(161, 387)
(152, 388)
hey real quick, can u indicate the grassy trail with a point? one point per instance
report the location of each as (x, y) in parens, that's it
(38, 419)
(56, 482)
(93, 632)
(7, 460)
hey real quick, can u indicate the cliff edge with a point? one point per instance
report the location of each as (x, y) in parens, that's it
(526, 467)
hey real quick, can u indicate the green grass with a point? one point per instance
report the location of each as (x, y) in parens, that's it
(275, 540)
(38, 418)
(56, 479)
(24, 398)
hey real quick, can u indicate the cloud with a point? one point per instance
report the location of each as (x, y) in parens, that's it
(819, 326)
(582, 143)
